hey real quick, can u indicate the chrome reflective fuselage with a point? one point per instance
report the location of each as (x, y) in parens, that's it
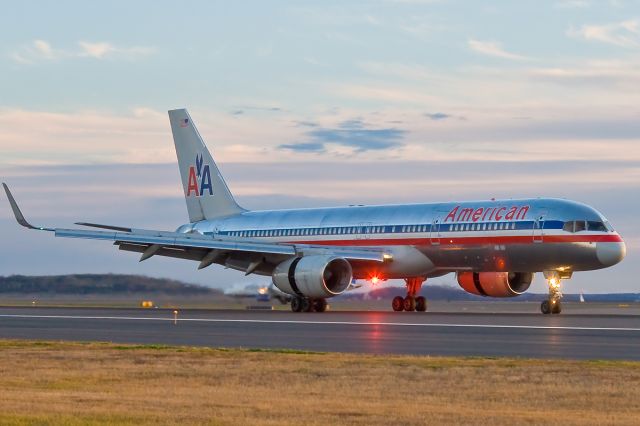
(526, 235)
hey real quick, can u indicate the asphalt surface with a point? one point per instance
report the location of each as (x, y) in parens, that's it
(577, 336)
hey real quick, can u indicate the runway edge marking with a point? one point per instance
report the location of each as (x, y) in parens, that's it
(360, 323)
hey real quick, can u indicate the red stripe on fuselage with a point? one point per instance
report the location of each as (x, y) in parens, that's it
(507, 239)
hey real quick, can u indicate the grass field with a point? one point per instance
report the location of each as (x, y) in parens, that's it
(75, 383)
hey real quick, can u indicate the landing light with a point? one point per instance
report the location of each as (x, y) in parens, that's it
(375, 280)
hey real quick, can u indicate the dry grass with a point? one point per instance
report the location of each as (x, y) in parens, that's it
(74, 383)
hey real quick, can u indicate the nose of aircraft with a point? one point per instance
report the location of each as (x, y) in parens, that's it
(610, 253)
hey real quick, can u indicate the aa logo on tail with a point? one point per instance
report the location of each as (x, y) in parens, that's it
(199, 179)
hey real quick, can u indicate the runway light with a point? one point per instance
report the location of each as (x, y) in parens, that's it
(175, 317)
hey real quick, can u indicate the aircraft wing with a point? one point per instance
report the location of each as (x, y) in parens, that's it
(195, 246)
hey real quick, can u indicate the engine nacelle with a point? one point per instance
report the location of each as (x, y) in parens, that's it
(495, 284)
(313, 276)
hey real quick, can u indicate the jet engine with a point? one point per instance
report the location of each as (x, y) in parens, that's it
(313, 276)
(495, 284)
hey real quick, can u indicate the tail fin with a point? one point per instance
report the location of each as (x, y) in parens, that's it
(206, 192)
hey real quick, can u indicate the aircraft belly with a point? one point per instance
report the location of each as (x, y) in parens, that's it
(534, 257)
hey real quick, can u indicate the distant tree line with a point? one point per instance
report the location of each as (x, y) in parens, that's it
(98, 284)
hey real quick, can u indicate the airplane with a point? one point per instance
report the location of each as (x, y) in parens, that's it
(262, 293)
(494, 247)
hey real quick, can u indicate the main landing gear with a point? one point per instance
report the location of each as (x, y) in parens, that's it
(552, 305)
(305, 304)
(411, 302)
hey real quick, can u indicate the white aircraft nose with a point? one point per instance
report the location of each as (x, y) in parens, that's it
(610, 253)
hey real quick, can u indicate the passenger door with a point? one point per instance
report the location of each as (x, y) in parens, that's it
(538, 228)
(434, 232)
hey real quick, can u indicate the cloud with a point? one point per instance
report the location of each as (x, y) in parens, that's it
(572, 4)
(305, 123)
(603, 75)
(305, 147)
(623, 34)
(437, 116)
(492, 48)
(42, 50)
(349, 134)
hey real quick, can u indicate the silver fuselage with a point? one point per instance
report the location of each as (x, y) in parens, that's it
(525, 235)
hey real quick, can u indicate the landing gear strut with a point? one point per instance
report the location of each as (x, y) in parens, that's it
(411, 302)
(552, 305)
(305, 304)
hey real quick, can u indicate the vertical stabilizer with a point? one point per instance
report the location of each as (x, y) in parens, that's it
(206, 192)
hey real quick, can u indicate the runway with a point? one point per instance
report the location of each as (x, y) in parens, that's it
(578, 336)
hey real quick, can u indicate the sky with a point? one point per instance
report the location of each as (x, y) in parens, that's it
(313, 104)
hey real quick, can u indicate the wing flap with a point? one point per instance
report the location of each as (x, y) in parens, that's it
(178, 240)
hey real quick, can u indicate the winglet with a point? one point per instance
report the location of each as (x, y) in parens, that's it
(17, 213)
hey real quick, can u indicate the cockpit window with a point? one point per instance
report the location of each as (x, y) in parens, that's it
(582, 225)
(574, 226)
(596, 226)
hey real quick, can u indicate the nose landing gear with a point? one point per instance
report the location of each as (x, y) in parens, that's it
(552, 305)
(411, 302)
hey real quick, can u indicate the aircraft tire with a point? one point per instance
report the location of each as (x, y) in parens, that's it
(296, 304)
(307, 305)
(397, 304)
(421, 304)
(409, 303)
(545, 307)
(320, 305)
(557, 308)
